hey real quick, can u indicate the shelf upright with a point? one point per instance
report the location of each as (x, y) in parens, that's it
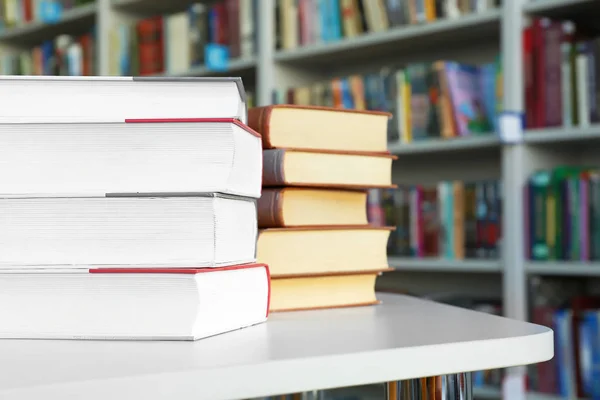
(105, 14)
(265, 68)
(513, 176)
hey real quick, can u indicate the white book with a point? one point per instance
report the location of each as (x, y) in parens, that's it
(566, 86)
(79, 232)
(85, 159)
(583, 107)
(135, 304)
(177, 49)
(115, 99)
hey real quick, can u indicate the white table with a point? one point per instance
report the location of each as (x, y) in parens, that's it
(401, 339)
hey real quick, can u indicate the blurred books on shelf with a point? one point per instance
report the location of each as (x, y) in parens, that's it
(312, 213)
(17, 13)
(452, 220)
(443, 99)
(562, 214)
(562, 72)
(65, 55)
(172, 44)
(311, 22)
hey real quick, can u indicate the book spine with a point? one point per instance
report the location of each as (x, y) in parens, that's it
(481, 214)
(566, 86)
(273, 173)
(584, 217)
(594, 201)
(459, 224)
(553, 96)
(592, 81)
(269, 208)
(258, 119)
(582, 88)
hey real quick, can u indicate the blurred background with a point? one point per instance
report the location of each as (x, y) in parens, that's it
(448, 71)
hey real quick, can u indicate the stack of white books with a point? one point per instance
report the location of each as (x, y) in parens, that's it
(128, 209)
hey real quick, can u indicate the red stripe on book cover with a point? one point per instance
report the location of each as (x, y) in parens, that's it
(189, 271)
(193, 120)
(268, 289)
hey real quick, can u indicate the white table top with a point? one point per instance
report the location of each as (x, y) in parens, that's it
(400, 339)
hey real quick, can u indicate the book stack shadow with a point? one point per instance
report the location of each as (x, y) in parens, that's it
(128, 209)
(318, 164)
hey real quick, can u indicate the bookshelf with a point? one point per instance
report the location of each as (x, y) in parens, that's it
(394, 341)
(444, 265)
(72, 20)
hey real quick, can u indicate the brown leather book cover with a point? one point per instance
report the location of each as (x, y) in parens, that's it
(270, 212)
(259, 117)
(274, 174)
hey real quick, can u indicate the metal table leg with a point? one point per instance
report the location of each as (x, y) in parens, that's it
(447, 387)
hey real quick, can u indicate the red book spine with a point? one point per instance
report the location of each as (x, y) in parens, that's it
(88, 57)
(28, 10)
(539, 48)
(150, 39)
(528, 77)
(221, 24)
(552, 100)
(547, 371)
(420, 228)
(233, 27)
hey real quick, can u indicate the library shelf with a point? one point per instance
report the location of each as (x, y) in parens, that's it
(560, 8)
(583, 12)
(78, 19)
(444, 265)
(563, 268)
(292, 352)
(238, 66)
(438, 34)
(153, 7)
(445, 145)
(562, 134)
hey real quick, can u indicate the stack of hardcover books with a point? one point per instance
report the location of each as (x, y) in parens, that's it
(128, 209)
(317, 165)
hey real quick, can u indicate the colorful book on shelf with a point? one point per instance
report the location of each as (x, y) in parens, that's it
(426, 101)
(562, 214)
(453, 219)
(133, 303)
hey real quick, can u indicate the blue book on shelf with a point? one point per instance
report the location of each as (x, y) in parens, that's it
(347, 99)
(586, 342)
(449, 219)
(50, 11)
(335, 20)
(324, 20)
(488, 89)
(125, 59)
(565, 359)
